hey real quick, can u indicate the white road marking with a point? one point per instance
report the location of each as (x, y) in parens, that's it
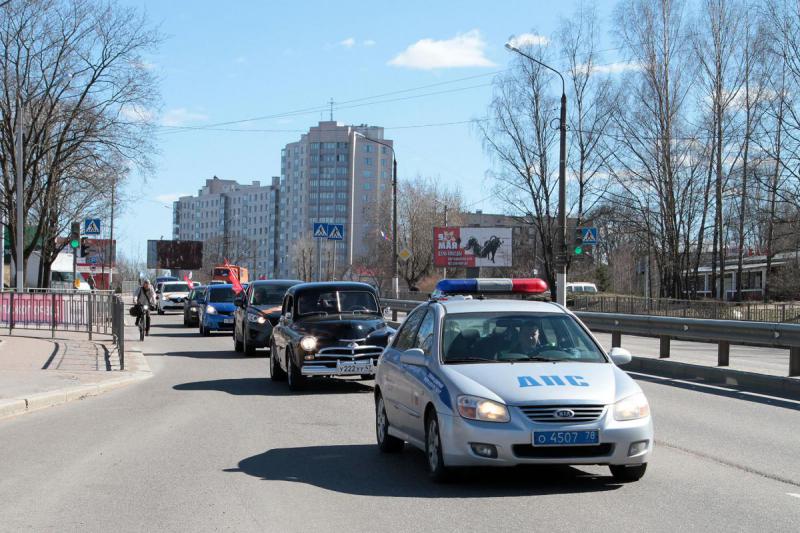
(793, 494)
(715, 387)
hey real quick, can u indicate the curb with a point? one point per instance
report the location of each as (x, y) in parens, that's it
(43, 400)
(750, 381)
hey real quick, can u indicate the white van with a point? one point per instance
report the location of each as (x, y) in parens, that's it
(581, 288)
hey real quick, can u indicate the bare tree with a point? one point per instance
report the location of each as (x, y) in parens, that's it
(85, 93)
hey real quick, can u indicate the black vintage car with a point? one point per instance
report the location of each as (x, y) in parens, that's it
(257, 311)
(328, 329)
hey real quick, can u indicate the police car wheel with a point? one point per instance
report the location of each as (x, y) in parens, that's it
(626, 473)
(386, 443)
(433, 451)
(276, 373)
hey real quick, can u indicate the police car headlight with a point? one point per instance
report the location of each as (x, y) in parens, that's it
(308, 344)
(476, 408)
(210, 310)
(633, 407)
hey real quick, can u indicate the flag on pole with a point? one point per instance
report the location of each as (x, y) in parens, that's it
(188, 279)
(237, 287)
(384, 236)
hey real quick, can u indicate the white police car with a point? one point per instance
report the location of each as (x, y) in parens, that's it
(477, 382)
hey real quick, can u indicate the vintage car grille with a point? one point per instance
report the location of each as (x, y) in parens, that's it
(547, 413)
(352, 352)
(561, 452)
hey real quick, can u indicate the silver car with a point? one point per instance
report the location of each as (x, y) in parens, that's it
(509, 382)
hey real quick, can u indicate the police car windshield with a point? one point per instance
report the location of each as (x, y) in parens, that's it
(517, 337)
(325, 302)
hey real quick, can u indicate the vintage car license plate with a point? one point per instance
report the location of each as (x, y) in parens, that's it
(566, 438)
(361, 367)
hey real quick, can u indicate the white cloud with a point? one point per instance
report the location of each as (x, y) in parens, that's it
(168, 198)
(180, 116)
(463, 50)
(616, 68)
(348, 43)
(528, 39)
(369, 42)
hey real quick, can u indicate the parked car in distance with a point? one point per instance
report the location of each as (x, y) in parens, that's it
(170, 295)
(192, 306)
(216, 310)
(257, 312)
(328, 329)
(581, 287)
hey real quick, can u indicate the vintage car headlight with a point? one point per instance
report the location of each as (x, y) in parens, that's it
(476, 408)
(210, 310)
(633, 407)
(308, 344)
(260, 319)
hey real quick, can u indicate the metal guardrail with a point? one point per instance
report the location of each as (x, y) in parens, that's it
(703, 309)
(721, 332)
(99, 312)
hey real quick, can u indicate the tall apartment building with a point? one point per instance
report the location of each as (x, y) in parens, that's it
(333, 174)
(233, 220)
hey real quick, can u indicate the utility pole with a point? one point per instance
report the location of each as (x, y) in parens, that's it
(20, 263)
(111, 248)
(445, 225)
(395, 277)
(561, 241)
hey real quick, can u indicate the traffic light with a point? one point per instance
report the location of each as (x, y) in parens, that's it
(75, 235)
(84, 246)
(577, 247)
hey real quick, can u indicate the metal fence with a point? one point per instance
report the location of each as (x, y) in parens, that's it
(701, 309)
(98, 312)
(721, 332)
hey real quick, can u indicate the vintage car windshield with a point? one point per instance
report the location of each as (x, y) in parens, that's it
(328, 302)
(175, 287)
(221, 295)
(507, 337)
(268, 294)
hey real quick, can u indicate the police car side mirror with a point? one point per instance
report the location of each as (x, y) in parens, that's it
(620, 356)
(414, 357)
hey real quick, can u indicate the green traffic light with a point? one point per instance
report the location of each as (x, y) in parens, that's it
(74, 243)
(578, 250)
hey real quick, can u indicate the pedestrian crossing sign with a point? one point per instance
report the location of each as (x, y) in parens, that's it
(589, 235)
(91, 226)
(335, 232)
(320, 230)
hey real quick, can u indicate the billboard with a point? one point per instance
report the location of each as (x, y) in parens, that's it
(181, 255)
(472, 247)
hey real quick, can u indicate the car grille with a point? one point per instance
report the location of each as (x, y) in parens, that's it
(330, 355)
(224, 313)
(561, 452)
(547, 413)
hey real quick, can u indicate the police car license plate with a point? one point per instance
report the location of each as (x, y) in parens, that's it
(566, 438)
(360, 367)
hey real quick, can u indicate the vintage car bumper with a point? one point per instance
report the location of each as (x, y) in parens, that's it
(620, 443)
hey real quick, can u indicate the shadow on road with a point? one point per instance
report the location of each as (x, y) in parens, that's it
(727, 391)
(263, 386)
(215, 354)
(360, 469)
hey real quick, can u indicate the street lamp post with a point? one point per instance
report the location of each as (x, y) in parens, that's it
(561, 259)
(395, 275)
(20, 264)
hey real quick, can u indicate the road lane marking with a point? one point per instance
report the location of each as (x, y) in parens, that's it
(793, 494)
(715, 387)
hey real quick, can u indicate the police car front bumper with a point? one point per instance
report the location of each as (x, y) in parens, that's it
(620, 443)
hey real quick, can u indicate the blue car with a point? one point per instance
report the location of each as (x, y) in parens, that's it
(216, 309)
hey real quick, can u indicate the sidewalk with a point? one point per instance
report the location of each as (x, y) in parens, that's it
(37, 371)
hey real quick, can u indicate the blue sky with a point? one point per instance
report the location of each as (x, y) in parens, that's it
(226, 62)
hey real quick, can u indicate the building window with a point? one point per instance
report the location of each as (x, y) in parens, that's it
(367, 173)
(343, 146)
(368, 161)
(367, 186)
(369, 147)
(384, 149)
(329, 146)
(341, 171)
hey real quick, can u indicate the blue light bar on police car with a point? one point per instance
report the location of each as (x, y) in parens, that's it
(488, 285)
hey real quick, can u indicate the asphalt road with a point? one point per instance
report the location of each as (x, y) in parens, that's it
(210, 444)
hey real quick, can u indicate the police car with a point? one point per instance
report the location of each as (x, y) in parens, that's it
(482, 382)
